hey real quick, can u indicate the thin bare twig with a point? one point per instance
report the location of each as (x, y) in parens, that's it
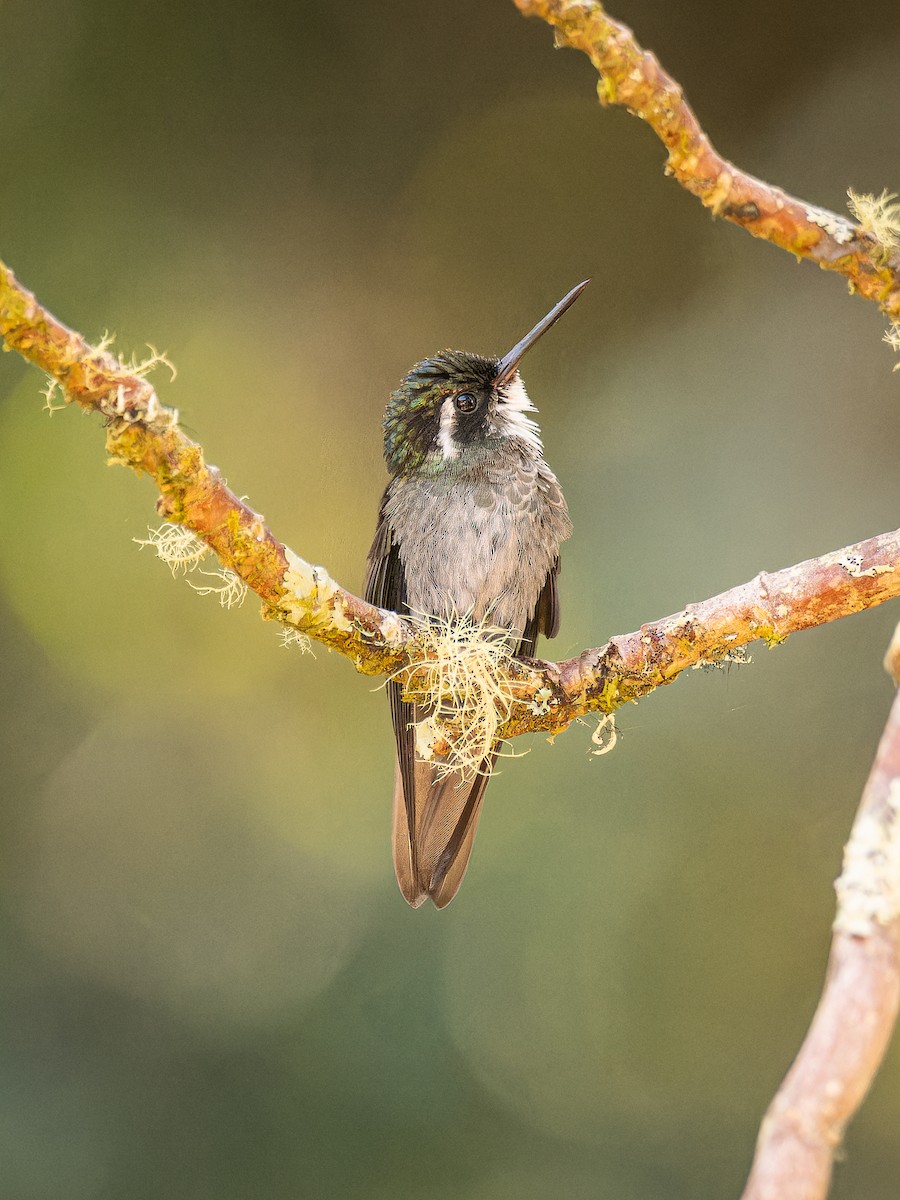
(632, 77)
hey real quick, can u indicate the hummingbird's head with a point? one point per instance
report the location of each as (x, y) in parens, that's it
(455, 402)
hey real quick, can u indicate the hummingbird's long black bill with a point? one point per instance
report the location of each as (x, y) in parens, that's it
(510, 362)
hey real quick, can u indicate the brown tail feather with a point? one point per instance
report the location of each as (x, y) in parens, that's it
(447, 812)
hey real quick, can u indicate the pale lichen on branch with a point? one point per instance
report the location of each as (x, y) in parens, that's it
(879, 217)
(546, 697)
(865, 253)
(459, 672)
(802, 1130)
(479, 695)
(144, 434)
(768, 608)
(175, 546)
(229, 589)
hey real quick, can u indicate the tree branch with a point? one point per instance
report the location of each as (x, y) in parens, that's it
(632, 77)
(143, 434)
(853, 1023)
(856, 1014)
(768, 608)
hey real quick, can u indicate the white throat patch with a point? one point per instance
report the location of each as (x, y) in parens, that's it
(512, 406)
(445, 441)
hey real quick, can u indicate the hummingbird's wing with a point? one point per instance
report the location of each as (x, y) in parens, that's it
(545, 618)
(385, 583)
(386, 587)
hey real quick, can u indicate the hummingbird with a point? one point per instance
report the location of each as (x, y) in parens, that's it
(470, 525)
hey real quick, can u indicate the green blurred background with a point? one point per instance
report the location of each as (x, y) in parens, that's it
(210, 985)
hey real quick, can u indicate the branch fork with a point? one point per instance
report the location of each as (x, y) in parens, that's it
(855, 1017)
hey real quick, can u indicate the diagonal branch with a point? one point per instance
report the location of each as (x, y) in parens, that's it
(143, 434)
(802, 1130)
(768, 608)
(632, 77)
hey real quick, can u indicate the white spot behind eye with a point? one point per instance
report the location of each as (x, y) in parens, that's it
(445, 441)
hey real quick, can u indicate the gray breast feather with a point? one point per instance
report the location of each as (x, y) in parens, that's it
(480, 539)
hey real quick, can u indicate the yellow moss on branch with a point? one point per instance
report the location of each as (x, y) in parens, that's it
(633, 78)
(144, 435)
(768, 608)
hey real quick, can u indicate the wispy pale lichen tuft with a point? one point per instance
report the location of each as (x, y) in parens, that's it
(176, 546)
(878, 216)
(183, 551)
(230, 588)
(294, 638)
(142, 367)
(892, 337)
(460, 674)
(48, 392)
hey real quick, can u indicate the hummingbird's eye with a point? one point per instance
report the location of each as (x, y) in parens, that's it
(465, 402)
